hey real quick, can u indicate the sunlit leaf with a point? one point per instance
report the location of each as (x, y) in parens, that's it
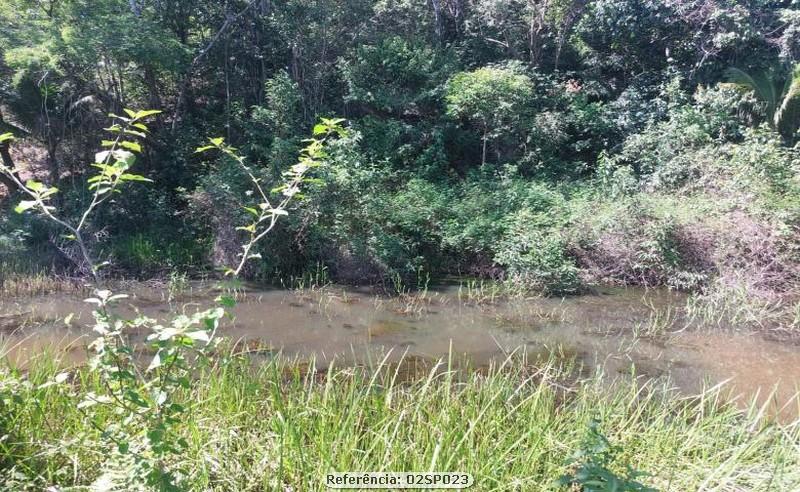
(145, 113)
(134, 177)
(134, 132)
(101, 156)
(34, 185)
(155, 363)
(131, 146)
(25, 205)
(199, 335)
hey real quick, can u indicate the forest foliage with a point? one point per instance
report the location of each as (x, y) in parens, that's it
(555, 143)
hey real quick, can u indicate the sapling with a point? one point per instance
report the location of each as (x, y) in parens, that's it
(137, 410)
(113, 165)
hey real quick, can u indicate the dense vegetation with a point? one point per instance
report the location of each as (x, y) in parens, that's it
(556, 143)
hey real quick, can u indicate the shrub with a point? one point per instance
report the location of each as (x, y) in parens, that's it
(535, 258)
(640, 242)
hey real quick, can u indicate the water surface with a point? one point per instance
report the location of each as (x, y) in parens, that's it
(622, 332)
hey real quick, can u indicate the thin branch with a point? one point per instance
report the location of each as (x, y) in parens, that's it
(179, 103)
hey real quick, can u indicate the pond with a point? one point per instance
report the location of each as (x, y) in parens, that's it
(622, 332)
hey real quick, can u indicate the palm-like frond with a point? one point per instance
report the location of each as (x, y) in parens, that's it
(760, 83)
(782, 100)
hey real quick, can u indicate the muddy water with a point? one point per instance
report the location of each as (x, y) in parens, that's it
(621, 331)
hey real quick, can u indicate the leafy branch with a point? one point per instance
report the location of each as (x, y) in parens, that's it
(267, 212)
(113, 164)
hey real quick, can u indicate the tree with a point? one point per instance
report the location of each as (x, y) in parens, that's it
(494, 99)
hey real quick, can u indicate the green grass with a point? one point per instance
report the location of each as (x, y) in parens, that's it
(282, 425)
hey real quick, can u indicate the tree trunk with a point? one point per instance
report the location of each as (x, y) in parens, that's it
(5, 153)
(483, 155)
(437, 16)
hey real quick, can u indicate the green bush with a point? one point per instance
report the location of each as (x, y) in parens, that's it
(535, 257)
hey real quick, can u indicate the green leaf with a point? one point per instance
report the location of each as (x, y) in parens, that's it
(130, 112)
(217, 141)
(124, 157)
(118, 117)
(34, 185)
(134, 177)
(331, 122)
(25, 205)
(226, 301)
(6, 137)
(253, 211)
(145, 113)
(48, 192)
(134, 132)
(131, 146)
(155, 436)
(133, 396)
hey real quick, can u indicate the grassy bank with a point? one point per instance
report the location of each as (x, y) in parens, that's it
(283, 425)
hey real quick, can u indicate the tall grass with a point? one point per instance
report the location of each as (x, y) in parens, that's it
(22, 277)
(282, 425)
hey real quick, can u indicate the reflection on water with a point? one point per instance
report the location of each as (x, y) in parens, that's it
(622, 331)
